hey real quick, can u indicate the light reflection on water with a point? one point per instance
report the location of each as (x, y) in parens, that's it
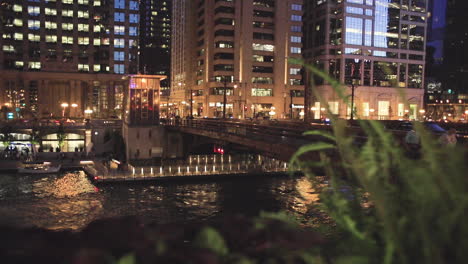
(70, 201)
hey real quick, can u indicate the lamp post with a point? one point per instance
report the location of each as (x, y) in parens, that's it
(64, 106)
(224, 96)
(88, 112)
(372, 110)
(352, 101)
(422, 112)
(313, 108)
(291, 105)
(191, 103)
(74, 106)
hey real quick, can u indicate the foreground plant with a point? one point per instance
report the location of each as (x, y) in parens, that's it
(390, 207)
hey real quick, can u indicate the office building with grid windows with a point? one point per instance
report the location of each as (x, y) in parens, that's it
(239, 49)
(155, 39)
(73, 51)
(375, 46)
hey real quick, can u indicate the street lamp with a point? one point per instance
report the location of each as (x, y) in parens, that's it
(372, 110)
(88, 112)
(352, 101)
(225, 82)
(74, 107)
(64, 105)
(191, 103)
(313, 108)
(422, 112)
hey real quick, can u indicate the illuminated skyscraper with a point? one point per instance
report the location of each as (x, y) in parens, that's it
(155, 38)
(59, 51)
(239, 49)
(376, 46)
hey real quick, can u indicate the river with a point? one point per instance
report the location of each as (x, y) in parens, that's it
(70, 201)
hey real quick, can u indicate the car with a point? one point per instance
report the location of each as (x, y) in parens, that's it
(430, 126)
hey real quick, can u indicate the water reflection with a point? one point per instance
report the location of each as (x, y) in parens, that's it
(70, 201)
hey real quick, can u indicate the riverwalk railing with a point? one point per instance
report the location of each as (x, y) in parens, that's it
(202, 166)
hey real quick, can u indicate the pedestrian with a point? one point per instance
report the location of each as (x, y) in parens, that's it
(449, 138)
(412, 143)
(76, 149)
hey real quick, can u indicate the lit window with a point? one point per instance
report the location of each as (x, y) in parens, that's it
(263, 47)
(18, 36)
(83, 67)
(96, 67)
(67, 13)
(51, 38)
(133, 31)
(119, 17)
(83, 41)
(119, 30)
(119, 43)
(34, 24)
(50, 11)
(67, 40)
(133, 5)
(296, 39)
(295, 50)
(50, 25)
(83, 14)
(295, 71)
(67, 26)
(83, 27)
(296, 7)
(262, 92)
(33, 10)
(96, 42)
(133, 18)
(119, 55)
(296, 18)
(8, 48)
(97, 28)
(119, 68)
(34, 65)
(119, 4)
(34, 37)
(17, 8)
(18, 22)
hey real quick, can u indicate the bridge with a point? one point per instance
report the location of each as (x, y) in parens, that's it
(276, 139)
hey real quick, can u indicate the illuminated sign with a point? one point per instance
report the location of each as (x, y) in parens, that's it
(10, 115)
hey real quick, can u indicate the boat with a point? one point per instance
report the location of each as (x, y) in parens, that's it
(39, 168)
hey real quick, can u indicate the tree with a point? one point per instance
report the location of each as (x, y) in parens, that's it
(5, 135)
(61, 136)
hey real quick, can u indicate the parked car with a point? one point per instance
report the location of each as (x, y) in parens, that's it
(432, 127)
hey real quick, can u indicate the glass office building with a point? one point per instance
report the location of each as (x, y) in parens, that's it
(375, 46)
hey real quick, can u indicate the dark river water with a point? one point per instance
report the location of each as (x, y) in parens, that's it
(71, 201)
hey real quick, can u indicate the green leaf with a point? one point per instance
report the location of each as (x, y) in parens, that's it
(352, 260)
(127, 259)
(210, 239)
(319, 133)
(311, 147)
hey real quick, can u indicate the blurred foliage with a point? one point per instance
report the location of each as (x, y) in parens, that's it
(385, 206)
(390, 206)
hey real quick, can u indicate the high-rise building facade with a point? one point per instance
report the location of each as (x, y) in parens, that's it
(235, 54)
(75, 43)
(155, 38)
(456, 46)
(450, 101)
(375, 46)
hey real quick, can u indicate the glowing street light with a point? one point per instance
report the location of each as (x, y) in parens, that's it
(64, 106)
